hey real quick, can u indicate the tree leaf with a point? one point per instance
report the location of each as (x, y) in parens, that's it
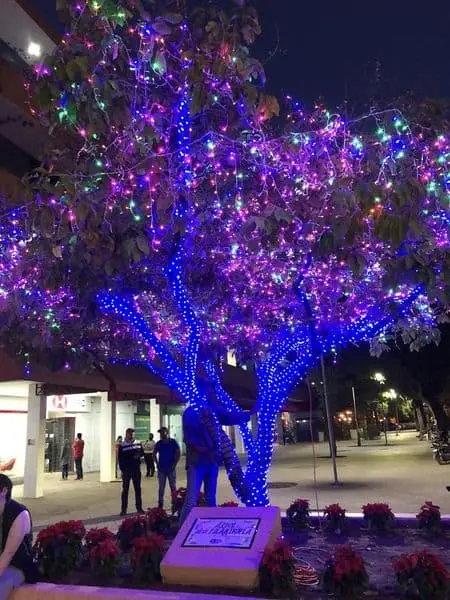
(162, 27)
(143, 245)
(173, 18)
(160, 64)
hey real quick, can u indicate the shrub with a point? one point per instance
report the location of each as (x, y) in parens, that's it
(104, 557)
(335, 519)
(97, 535)
(298, 514)
(378, 516)
(230, 504)
(146, 556)
(424, 574)
(130, 529)
(178, 497)
(158, 520)
(58, 548)
(345, 574)
(277, 569)
(429, 517)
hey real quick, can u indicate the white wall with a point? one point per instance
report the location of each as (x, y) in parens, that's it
(124, 416)
(13, 432)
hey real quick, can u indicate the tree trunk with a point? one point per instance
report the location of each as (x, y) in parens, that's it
(440, 415)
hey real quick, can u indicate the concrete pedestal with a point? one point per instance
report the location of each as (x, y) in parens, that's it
(221, 547)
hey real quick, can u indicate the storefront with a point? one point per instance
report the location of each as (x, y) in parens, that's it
(65, 416)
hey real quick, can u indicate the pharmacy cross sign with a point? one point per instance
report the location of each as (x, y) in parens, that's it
(222, 533)
(59, 402)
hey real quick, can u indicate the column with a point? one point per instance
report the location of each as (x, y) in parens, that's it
(238, 442)
(107, 438)
(35, 450)
(155, 417)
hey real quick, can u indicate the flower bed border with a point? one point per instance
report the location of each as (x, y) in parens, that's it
(401, 520)
(44, 591)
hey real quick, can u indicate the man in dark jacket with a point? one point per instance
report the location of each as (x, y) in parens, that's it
(202, 454)
(129, 458)
(16, 556)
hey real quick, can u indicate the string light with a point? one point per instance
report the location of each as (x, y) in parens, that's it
(280, 246)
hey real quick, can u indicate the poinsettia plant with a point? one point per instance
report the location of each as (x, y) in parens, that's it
(146, 555)
(158, 520)
(229, 504)
(59, 548)
(277, 569)
(335, 519)
(298, 514)
(178, 497)
(429, 517)
(104, 557)
(378, 516)
(130, 529)
(345, 573)
(424, 574)
(96, 535)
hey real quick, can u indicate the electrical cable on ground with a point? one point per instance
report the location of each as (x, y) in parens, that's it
(305, 574)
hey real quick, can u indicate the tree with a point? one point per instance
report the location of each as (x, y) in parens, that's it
(280, 247)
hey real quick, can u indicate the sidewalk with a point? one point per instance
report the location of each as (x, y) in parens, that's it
(403, 474)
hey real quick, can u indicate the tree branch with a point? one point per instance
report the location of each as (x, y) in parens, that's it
(229, 404)
(369, 326)
(121, 306)
(173, 273)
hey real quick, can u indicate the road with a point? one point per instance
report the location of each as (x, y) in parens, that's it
(403, 474)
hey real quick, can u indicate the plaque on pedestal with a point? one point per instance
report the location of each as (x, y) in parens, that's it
(221, 547)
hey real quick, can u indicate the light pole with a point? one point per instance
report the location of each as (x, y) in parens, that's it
(381, 379)
(358, 437)
(329, 423)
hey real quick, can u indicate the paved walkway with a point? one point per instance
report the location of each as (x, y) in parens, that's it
(404, 474)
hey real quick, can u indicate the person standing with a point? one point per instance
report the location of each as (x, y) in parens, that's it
(78, 454)
(149, 447)
(203, 456)
(65, 456)
(129, 457)
(16, 542)
(167, 454)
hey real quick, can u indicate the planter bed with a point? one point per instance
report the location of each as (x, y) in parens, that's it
(312, 546)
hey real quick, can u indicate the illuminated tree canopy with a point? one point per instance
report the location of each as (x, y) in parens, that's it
(171, 221)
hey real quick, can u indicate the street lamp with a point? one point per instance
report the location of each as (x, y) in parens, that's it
(379, 377)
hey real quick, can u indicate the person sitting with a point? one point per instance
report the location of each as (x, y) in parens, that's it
(16, 555)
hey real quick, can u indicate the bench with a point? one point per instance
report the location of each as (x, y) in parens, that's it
(51, 591)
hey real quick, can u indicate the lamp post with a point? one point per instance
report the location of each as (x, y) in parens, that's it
(358, 437)
(329, 422)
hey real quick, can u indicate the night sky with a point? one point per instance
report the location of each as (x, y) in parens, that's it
(357, 51)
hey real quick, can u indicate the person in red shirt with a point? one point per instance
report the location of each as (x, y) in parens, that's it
(78, 453)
